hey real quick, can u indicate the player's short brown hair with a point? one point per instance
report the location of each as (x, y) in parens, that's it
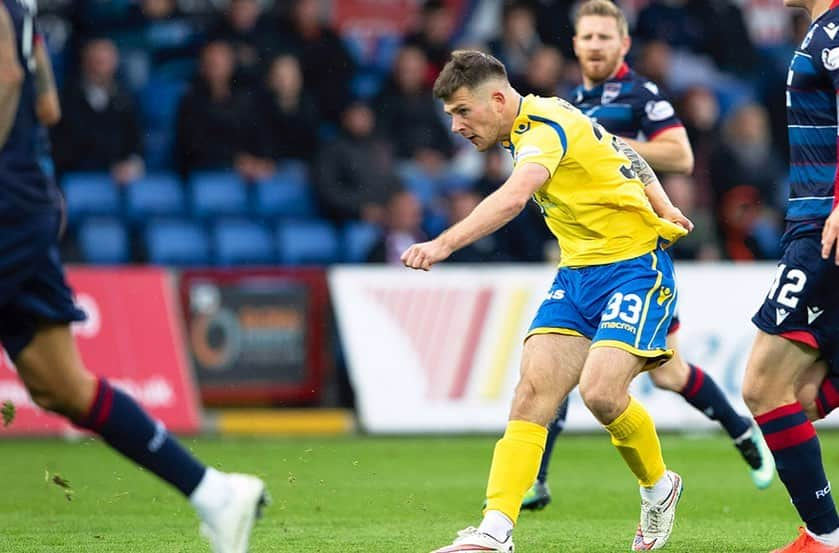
(603, 8)
(467, 68)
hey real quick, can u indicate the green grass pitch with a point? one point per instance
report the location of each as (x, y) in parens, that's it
(368, 495)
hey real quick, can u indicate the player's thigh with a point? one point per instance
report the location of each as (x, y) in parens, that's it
(808, 386)
(773, 371)
(550, 368)
(53, 371)
(605, 379)
(672, 375)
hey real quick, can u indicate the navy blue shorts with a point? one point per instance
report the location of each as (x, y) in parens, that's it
(33, 288)
(803, 301)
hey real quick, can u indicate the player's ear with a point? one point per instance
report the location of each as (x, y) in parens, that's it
(498, 100)
(627, 44)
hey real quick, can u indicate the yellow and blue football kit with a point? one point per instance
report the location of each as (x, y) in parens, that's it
(615, 285)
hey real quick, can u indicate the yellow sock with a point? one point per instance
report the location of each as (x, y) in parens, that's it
(515, 465)
(633, 433)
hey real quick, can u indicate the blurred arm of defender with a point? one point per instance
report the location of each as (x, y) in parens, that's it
(669, 151)
(47, 104)
(11, 75)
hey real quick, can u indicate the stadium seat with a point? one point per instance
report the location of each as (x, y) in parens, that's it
(104, 241)
(359, 239)
(154, 196)
(219, 193)
(176, 242)
(243, 242)
(159, 101)
(90, 194)
(286, 194)
(307, 242)
(415, 180)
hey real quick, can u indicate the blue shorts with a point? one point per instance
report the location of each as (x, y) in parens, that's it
(627, 305)
(803, 301)
(33, 289)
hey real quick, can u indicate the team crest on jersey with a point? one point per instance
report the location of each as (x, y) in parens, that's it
(831, 29)
(610, 92)
(830, 58)
(522, 128)
(659, 110)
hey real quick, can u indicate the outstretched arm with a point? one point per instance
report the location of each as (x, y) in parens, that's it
(661, 203)
(11, 75)
(668, 151)
(495, 211)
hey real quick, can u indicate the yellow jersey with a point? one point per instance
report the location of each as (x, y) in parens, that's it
(592, 202)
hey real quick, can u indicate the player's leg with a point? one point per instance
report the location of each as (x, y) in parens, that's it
(769, 388)
(701, 392)
(604, 386)
(550, 369)
(53, 372)
(539, 494)
(798, 325)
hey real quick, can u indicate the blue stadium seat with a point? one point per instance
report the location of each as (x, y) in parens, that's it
(286, 194)
(89, 194)
(177, 242)
(218, 193)
(359, 239)
(155, 195)
(307, 242)
(243, 242)
(159, 101)
(104, 241)
(415, 180)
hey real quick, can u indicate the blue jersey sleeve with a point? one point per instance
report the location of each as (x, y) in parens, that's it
(823, 48)
(655, 112)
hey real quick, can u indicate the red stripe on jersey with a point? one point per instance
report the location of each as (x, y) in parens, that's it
(833, 4)
(624, 69)
(668, 127)
(782, 411)
(790, 437)
(801, 336)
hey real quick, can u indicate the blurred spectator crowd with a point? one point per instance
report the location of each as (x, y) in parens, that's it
(233, 132)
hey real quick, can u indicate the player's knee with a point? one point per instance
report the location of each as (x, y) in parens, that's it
(50, 398)
(603, 402)
(756, 396)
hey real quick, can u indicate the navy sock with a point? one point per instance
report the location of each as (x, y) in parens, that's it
(828, 398)
(703, 393)
(554, 430)
(798, 457)
(128, 429)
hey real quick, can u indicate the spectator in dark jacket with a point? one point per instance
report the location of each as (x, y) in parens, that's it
(327, 65)
(99, 130)
(213, 118)
(354, 174)
(248, 32)
(407, 112)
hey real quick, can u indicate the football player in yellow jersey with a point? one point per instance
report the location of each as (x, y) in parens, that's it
(606, 316)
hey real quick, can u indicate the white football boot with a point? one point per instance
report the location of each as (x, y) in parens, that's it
(471, 539)
(657, 518)
(228, 528)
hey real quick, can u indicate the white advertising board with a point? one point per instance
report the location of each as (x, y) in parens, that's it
(439, 351)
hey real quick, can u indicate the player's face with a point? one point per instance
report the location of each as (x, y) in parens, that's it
(599, 46)
(477, 115)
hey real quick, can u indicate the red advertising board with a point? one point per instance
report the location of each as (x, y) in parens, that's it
(384, 16)
(133, 337)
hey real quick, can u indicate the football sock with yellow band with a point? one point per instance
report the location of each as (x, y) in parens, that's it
(515, 464)
(633, 433)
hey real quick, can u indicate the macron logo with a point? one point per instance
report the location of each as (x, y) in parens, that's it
(831, 29)
(813, 313)
(780, 315)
